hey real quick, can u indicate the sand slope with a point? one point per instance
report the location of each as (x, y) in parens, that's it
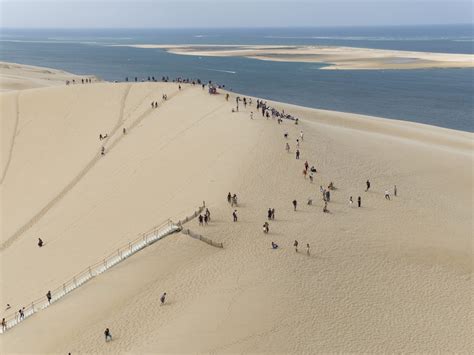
(15, 76)
(391, 276)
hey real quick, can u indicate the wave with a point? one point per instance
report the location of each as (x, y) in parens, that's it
(222, 71)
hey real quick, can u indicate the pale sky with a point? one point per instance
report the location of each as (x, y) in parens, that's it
(229, 13)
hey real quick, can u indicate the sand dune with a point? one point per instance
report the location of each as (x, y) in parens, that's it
(21, 77)
(335, 56)
(392, 276)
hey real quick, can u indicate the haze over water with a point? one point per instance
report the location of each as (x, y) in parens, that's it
(441, 97)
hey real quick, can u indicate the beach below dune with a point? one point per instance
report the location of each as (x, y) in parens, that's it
(342, 58)
(390, 276)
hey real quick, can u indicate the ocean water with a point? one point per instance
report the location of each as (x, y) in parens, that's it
(440, 97)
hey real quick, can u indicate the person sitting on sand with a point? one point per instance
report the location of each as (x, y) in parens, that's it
(313, 169)
(387, 195)
(108, 336)
(8, 307)
(310, 201)
(331, 186)
(274, 245)
(40, 242)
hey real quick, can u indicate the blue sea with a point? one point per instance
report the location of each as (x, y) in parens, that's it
(440, 97)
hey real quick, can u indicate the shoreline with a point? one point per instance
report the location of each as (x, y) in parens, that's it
(335, 57)
(57, 77)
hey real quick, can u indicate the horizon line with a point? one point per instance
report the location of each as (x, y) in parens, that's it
(236, 27)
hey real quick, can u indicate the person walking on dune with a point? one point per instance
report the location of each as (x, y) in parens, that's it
(367, 183)
(359, 201)
(234, 215)
(294, 204)
(307, 249)
(295, 244)
(287, 147)
(163, 298)
(200, 219)
(395, 190)
(108, 336)
(4, 325)
(297, 154)
(48, 296)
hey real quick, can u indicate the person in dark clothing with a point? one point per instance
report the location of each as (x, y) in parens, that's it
(368, 185)
(359, 201)
(108, 336)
